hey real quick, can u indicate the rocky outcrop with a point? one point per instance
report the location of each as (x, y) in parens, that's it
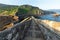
(56, 15)
(29, 29)
(7, 21)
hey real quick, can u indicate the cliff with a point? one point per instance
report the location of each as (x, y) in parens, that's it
(29, 29)
(7, 21)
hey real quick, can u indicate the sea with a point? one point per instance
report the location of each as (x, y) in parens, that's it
(51, 17)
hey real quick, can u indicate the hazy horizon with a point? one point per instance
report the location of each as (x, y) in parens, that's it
(42, 4)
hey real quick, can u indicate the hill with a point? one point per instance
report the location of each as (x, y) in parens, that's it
(7, 9)
(23, 9)
(55, 10)
(30, 10)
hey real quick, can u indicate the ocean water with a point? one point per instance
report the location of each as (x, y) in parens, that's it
(50, 17)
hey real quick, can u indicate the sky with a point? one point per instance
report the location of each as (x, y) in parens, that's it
(42, 4)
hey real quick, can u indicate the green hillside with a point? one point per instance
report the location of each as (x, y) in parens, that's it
(28, 9)
(23, 9)
(7, 9)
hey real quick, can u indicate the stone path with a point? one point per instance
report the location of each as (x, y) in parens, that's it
(29, 29)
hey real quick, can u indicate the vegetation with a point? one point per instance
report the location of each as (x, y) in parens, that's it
(8, 9)
(23, 9)
(27, 9)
